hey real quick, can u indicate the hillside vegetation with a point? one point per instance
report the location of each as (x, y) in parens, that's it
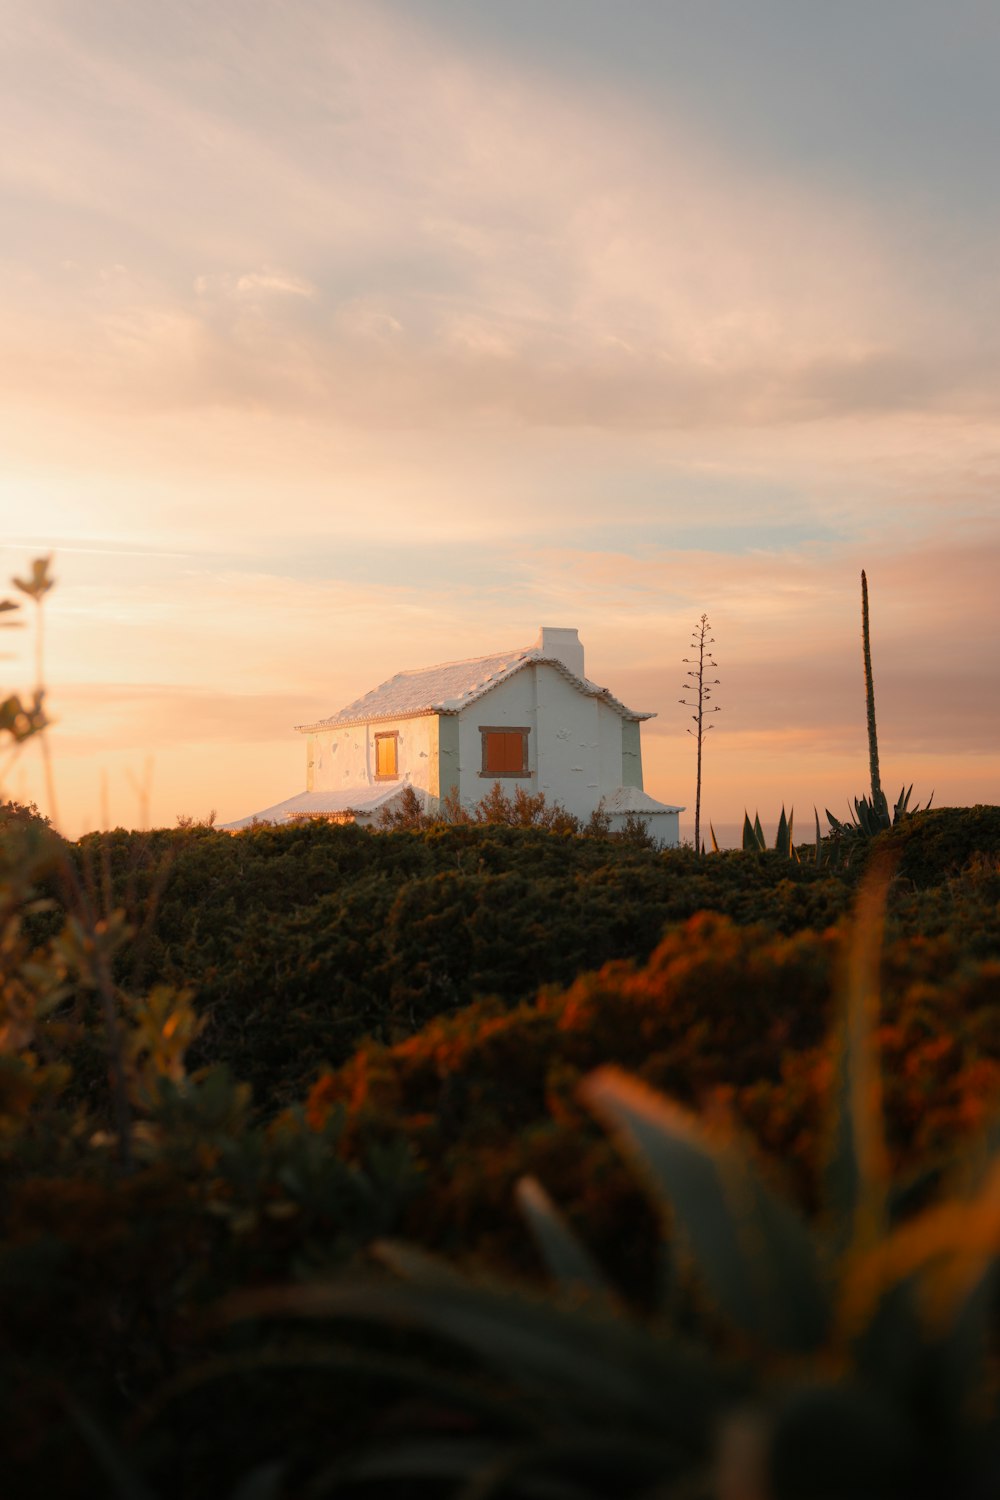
(329, 1035)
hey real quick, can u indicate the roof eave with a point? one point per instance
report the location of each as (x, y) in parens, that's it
(414, 713)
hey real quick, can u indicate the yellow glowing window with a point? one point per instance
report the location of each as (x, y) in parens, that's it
(505, 752)
(387, 756)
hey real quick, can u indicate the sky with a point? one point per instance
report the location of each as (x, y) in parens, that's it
(341, 338)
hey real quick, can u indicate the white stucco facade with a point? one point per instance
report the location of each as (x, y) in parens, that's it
(582, 746)
(345, 757)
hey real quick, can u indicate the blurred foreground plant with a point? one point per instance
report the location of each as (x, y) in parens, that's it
(856, 1359)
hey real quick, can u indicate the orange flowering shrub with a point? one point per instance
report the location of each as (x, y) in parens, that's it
(721, 1017)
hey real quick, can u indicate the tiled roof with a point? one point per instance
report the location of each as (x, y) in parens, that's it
(449, 688)
(631, 799)
(359, 799)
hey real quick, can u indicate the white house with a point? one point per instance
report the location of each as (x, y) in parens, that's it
(528, 718)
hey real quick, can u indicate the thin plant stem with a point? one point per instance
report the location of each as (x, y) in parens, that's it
(50, 780)
(866, 648)
(703, 693)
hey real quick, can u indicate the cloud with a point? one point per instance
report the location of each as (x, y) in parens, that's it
(254, 283)
(379, 339)
(438, 236)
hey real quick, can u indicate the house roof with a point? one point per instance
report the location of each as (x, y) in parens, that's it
(632, 799)
(353, 799)
(452, 686)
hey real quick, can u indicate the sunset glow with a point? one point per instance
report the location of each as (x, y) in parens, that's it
(338, 339)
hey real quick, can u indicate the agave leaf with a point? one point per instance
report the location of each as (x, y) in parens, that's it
(749, 837)
(819, 838)
(944, 1368)
(458, 1460)
(578, 1364)
(715, 841)
(781, 837)
(265, 1482)
(836, 826)
(567, 1261)
(860, 1442)
(490, 1468)
(596, 1462)
(857, 1174)
(417, 1265)
(964, 1350)
(759, 832)
(754, 1253)
(122, 1480)
(888, 1343)
(501, 1410)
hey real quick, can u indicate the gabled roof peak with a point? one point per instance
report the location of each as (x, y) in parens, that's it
(451, 686)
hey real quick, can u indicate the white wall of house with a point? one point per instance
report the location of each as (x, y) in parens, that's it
(340, 758)
(574, 744)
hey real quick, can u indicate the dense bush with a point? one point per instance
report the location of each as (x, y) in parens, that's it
(457, 983)
(302, 941)
(721, 1017)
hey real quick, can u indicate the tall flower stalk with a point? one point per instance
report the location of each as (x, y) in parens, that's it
(701, 686)
(870, 695)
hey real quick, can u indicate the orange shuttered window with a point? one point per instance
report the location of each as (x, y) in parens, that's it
(386, 762)
(505, 752)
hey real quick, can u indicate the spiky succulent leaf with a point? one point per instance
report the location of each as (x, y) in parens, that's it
(574, 1366)
(783, 839)
(754, 1254)
(857, 1174)
(836, 825)
(122, 1480)
(835, 1439)
(567, 1261)
(573, 1469)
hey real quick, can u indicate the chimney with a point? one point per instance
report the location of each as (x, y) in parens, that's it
(564, 645)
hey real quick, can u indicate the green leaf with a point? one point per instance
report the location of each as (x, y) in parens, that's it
(889, 1348)
(537, 1471)
(783, 839)
(124, 1483)
(857, 1174)
(833, 1441)
(759, 832)
(749, 837)
(754, 1253)
(572, 1364)
(265, 1482)
(567, 1261)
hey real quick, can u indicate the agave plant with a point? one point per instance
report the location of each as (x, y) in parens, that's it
(754, 841)
(872, 816)
(850, 1358)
